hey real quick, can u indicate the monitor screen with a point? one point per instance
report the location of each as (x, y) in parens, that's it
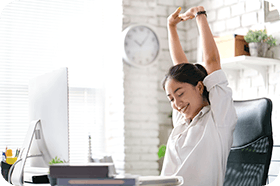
(48, 102)
(48, 133)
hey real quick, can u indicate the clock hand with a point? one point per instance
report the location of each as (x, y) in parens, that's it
(145, 39)
(137, 43)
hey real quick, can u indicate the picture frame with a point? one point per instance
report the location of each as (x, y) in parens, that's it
(270, 12)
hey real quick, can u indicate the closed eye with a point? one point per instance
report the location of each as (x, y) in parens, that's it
(181, 94)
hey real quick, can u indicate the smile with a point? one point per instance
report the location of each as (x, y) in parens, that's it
(184, 109)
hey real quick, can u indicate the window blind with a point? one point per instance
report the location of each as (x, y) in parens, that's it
(38, 36)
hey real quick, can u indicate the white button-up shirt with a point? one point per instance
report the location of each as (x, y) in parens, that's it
(198, 150)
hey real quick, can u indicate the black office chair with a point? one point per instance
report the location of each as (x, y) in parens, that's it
(250, 155)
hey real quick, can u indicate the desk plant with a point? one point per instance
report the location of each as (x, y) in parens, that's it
(259, 42)
(55, 160)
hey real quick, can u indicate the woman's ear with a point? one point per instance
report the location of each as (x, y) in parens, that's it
(200, 87)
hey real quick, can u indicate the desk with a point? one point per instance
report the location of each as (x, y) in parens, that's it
(145, 180)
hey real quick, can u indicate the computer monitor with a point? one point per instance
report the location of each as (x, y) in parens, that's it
(48, 101)
(48, 133)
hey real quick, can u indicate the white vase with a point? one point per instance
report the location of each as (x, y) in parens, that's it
(274, 52)
(258, 49)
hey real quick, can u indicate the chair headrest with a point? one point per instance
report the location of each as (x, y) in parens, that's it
(254, 120)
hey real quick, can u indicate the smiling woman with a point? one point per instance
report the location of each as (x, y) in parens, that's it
(184, 82)
(204, 117)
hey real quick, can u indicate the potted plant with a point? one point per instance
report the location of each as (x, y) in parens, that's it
(55, 160)
(259, 42)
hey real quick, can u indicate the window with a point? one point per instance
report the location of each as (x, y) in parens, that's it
(38, 36)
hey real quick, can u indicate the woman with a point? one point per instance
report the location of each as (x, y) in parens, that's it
(204, 117)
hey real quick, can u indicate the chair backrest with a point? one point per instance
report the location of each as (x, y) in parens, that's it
(250, 155)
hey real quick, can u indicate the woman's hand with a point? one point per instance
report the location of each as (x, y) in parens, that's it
(175, 48)
(174, 18)
(190, 14)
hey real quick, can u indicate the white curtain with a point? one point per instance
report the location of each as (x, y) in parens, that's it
(37, 36)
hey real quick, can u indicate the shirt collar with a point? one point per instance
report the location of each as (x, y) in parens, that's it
(201, 113)
(183, 124)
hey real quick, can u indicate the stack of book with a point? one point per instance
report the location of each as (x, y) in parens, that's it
(101, 174)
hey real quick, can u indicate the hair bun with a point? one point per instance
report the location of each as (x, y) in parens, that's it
(201, 68)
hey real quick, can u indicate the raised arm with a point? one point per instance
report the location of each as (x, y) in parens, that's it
(176, 51)
(211, 55)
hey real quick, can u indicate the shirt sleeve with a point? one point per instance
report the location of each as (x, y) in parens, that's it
(220, 97)
(177, 117)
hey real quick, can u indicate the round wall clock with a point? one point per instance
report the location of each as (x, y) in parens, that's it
(141, 45)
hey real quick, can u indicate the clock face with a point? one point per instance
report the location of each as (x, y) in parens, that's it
(141, 46)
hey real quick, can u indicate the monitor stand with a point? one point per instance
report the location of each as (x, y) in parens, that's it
(16, 177)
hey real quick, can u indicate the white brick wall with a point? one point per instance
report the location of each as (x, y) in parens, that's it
(211, 15)
(223, 13)
(141, 107)
(219, 26)
(249, 19)
(230, 2)
(238, 9)
(161, 10)
(233, 23)
(192, 3)
(252, 5)
(165, 2)
(215, 4)
(138, 11)
(192, 33)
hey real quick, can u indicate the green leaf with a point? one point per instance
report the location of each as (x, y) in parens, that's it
(161, 151)
(259, 36)
(56, 160)
(170, 115)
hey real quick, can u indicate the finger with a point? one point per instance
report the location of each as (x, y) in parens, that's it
(185, 17)
(176, 13)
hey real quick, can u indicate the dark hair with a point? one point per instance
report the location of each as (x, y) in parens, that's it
(187, 73)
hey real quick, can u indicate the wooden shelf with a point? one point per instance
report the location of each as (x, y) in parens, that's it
(242, 62)
(234, 64)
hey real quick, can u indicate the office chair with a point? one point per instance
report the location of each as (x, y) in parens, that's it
(250, 155)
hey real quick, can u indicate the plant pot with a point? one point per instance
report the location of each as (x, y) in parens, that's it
(258, 49)
(52, 181)
(274, 52)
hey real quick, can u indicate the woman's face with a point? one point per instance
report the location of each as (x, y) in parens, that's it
(185, 98)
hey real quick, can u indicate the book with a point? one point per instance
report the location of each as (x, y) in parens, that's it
(160, 180)
(97, 181)
(131, 180)
(88, 170)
